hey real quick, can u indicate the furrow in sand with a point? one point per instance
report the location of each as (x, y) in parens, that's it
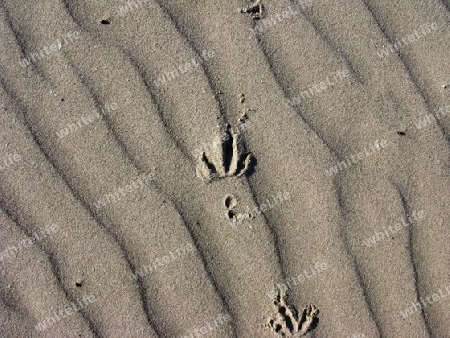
(359, 271)
(413, 258)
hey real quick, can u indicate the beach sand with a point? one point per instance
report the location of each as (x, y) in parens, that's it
(224, 169)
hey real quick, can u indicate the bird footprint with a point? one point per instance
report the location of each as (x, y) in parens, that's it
(227, 158)
(286, 321)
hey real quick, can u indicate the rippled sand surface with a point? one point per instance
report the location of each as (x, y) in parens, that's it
(224, 169)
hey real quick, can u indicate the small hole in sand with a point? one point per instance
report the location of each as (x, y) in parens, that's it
(230, 202)
(231, 214)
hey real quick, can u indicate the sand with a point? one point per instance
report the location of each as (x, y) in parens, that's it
(224, 169)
